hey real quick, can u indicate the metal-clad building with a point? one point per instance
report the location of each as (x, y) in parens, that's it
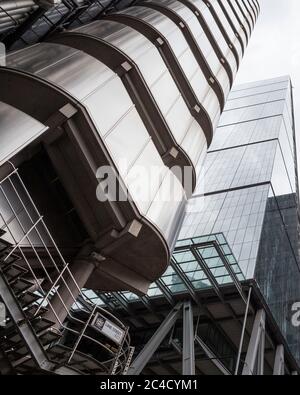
(110, 88)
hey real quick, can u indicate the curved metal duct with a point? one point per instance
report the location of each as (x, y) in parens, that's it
(161, 100)
(144, 86)
(224, 22)
(178, 57)
(146, 224)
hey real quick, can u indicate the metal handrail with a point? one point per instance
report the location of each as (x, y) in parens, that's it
(119, 358)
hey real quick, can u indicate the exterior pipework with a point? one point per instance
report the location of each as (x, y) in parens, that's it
(145, 86)
(230, 26)
(249, 11)
(186, 136)
(90, 87)
(245, 19)
(234, 16)
(215, 36)
(202, 39)
(185, 23)
(257, 5)
(236, 49)
(254, 7)
(196, 104)
(178, 57)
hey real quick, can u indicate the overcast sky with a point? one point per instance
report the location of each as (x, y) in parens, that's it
(274, 48)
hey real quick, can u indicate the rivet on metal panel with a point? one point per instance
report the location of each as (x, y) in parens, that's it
(68, 110)
(134, 228)
(126, 66)
(173, 152)
(160, 41)
(197, 108)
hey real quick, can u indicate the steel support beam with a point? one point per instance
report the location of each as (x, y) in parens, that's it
(186, 281)
(208, 273)
(166, 292)
(25, 330)
(145, 355)
(188, 351)
(254, 363)
(23, 27)
(243, 333)
(212, 357)
(279, 361)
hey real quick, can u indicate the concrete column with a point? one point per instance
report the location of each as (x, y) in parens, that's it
(68, 290)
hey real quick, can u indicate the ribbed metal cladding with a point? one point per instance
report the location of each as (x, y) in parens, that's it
(146, 85)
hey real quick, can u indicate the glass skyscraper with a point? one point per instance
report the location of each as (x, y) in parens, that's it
(244, 212)
(251, 194)
(148, 212)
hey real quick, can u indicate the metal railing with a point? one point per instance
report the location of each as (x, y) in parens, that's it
(30, 239)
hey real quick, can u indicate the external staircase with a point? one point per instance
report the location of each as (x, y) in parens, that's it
(29, 342)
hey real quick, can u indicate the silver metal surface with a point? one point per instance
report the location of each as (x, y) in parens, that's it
(156, 196)
(184, 128)
(190, 21)
(171, 33)
(232, 33)
(214, 28)
(125, 136)
(17, 130)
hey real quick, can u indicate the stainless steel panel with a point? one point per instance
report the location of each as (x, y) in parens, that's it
(215, 30)
(17, 130)
(215, 4)
(156, 75)
(102, 93)
(172, 34)
(204, 44)
(240, 27)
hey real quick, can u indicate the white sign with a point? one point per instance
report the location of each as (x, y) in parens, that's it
(108, 329)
